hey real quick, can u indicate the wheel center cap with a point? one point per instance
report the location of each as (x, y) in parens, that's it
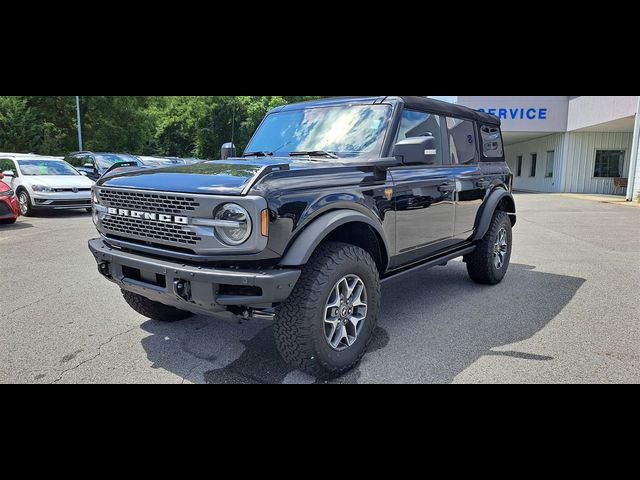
(344, 311)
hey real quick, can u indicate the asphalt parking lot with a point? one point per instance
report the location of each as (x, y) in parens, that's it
(568, 312)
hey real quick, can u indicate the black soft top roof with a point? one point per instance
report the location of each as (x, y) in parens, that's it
(419, 103)
(444, 108)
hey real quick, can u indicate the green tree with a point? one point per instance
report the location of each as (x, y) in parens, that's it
(153, 125)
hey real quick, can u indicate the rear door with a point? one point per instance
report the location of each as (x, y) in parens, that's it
(423, 194)
(471, 185)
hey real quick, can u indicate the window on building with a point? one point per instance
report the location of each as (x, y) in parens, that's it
(421, 124)
(534, 164)
(519, 172)
(551, 164)
(491, 142)
(462, 141)
(609, 163)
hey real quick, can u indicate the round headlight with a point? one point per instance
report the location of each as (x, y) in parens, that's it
(233, 224)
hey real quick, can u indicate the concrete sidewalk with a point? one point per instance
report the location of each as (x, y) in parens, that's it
(610, 199)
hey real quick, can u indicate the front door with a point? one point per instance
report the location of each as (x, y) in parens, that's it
(424, 195)
(7, 165)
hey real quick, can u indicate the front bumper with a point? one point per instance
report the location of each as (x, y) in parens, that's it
(200, 290)
(61, 201)
(9, 208)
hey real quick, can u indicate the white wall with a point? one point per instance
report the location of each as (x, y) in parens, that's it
(540, 146)
(580, 154)
(588, 111)
(574, 163)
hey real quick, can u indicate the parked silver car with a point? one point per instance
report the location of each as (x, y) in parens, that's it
(45, 183)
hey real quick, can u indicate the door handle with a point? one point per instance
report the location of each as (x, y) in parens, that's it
(447, 188)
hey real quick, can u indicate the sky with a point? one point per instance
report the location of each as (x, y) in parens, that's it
(447, 99)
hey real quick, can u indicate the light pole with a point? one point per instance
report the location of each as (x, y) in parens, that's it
(79, 124)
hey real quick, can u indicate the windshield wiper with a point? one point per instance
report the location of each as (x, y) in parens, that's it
(257, 154)
(314, 153)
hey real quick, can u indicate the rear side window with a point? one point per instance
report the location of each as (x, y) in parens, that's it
(462, 141)
(491, 142)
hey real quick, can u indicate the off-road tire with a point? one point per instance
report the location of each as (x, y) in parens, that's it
(480, 264)
(154, 310)
(299, 323)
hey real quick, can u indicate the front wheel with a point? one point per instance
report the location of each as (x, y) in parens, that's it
(326, 325)
(489, 263)
(26, 208)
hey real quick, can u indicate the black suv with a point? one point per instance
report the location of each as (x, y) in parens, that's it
(331, 198)
(96, 164)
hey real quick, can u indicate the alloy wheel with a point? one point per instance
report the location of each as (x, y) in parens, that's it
(345, 312)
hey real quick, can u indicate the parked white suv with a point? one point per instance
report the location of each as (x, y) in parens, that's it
(45, 183)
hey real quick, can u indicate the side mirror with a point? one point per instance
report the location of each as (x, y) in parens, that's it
(228, 151)
(417, 150)
(83, 173)
(89, 166)
(7, 173)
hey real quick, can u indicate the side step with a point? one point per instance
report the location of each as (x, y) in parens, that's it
(434, 262)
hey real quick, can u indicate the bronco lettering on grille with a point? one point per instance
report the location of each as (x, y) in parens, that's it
(120, 212)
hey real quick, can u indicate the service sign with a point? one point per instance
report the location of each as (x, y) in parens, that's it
(524, 114)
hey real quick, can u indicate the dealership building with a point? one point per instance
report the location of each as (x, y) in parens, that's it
(582, 144)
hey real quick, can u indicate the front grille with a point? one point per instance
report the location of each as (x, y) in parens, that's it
(149, 202)
(65, 203)
(67, 190)
(4, 209)
(151, 230)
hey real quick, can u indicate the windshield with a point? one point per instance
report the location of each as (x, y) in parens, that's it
(40, 167)
(108, 160)
(346, 131)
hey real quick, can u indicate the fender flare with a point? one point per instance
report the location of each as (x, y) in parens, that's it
(301, 249)
(490, 206)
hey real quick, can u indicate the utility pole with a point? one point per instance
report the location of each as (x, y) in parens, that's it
(79, 124)
(233, 125)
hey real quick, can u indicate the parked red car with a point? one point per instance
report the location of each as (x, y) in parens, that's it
(9, 206)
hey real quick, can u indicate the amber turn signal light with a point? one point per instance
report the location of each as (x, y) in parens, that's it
(265, 223)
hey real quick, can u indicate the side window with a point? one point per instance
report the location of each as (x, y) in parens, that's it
(76, 161)
(422, 124)
(462, 141)
(491, 142)
(8, 165)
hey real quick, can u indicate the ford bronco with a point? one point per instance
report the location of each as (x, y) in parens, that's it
(330, 199)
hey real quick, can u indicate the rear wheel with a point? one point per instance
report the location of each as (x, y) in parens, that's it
(326, 325)
(154, 310)
(8, 222)
(489, 263)
(26, 208)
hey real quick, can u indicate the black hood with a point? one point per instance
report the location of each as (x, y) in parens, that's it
(228, 177)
